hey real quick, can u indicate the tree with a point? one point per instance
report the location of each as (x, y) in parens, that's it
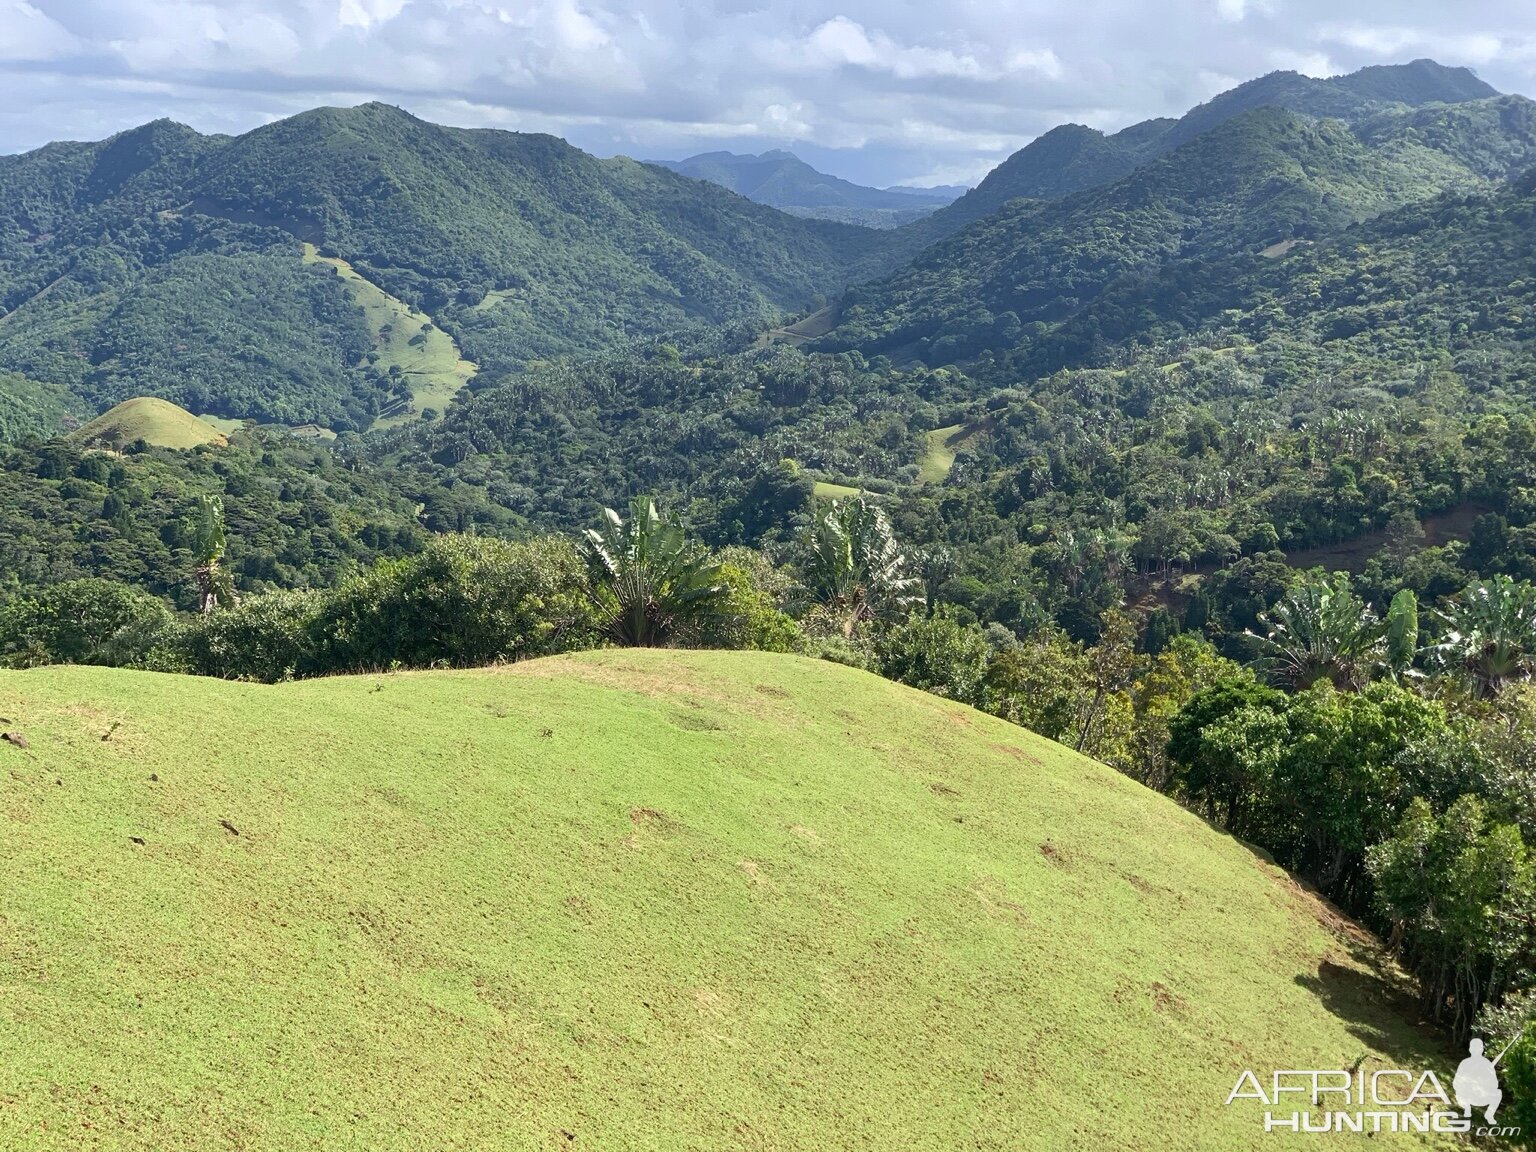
(1402, 633)
(1458, 891)
(1490, 635)
(1041, 685)
(1320, 630)
(1112, 664)
(854, 566)
(1224, 745)
(463, 601)
(749, 615)
(1169, 680)
(215, 586)
(88, 621)
(936, 653)
(648, 577)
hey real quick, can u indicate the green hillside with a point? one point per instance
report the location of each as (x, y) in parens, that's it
(627, 900)
(1262, 177)
(154, 421)
(407, 345)
(1074, 158)
(167, 262)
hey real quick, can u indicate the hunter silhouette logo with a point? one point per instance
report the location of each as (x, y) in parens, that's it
(1477, 1081)
(1384, 1100)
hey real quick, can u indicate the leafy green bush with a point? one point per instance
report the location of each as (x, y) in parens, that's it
(88, 621)
(269, 638)
(936, 653)
(463, 601)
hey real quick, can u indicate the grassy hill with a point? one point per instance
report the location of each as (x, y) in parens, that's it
(405, 341)
(627, 900)
(157, 422)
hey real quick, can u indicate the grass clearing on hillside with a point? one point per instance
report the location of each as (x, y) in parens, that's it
(629, 900)
(804, 330)
(943, 444)
(426, 354)
(148, 418)
(823, 490)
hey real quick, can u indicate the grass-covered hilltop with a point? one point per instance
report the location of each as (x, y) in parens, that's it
(503, 648)
(629, 900)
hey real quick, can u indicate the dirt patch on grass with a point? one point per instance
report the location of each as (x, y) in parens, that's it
(1055, 853)
(1016, 753)
(753, 871)
(695, 721)
(992, 896)
(1165, 999)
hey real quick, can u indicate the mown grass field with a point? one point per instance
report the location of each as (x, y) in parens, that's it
(628, 900)
(426, 354)
(147, 418)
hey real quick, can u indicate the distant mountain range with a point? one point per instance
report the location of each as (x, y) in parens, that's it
(1072, 157)
(1280, 159)
(782, 180)
(170, 263)
(351, 267)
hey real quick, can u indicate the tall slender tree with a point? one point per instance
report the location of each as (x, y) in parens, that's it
(215, 585)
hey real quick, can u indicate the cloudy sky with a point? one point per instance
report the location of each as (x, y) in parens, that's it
(880, 91)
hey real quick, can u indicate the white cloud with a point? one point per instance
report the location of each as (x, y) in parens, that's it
(27, 33)
(1394, 40)
(367, 13)
(841, 41)
(879, 90)
(1315, 64)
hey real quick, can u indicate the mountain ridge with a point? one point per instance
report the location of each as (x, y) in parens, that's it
(112, 247)
(1072, 157)
(782, 180)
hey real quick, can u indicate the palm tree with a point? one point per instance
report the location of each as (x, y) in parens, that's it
(1490, 634)
(1320, 630)
(215, 586)
(854, 565)
(649, 578)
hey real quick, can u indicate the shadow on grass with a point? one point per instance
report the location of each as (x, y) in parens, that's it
(1375, 1008)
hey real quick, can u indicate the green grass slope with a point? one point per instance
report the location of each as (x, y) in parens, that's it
(626, 900)
(407, 339)
(155, 421)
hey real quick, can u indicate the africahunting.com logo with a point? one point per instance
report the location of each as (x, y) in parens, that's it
(1384, 1100)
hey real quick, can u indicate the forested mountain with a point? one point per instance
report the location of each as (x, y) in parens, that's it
(1259, 182)
(1073, 158)
(163, 261)
(782, 180)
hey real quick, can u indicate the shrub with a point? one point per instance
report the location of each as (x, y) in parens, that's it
(462, 601)
(749, 615)
(87, 621)
(268, 638)
(938, 654)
